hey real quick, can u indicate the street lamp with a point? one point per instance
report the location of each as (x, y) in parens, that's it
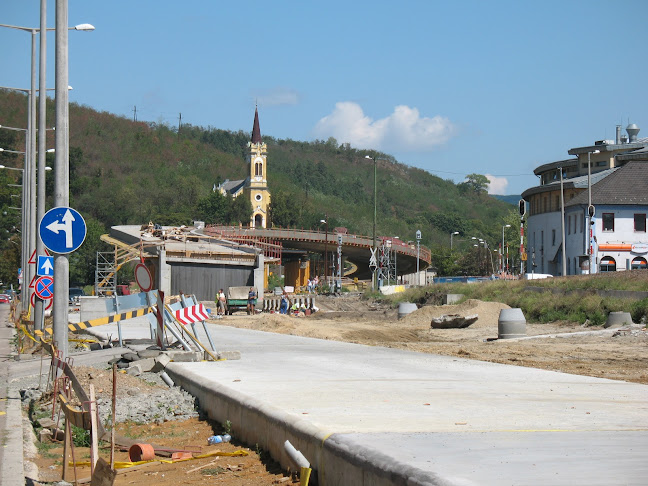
(590, 210)
(30, 161)
(418, 252)
(375, 244)
(502, 253)
(325, 246)
(451, 235)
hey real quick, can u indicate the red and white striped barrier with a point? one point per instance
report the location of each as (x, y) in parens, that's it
(191, 314)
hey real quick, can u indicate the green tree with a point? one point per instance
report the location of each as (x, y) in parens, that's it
(475, 183)
(213, 209)
(240, 210)
(284, 212)
(83, 262)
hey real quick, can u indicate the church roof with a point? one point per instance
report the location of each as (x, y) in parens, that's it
(232, 187)
(256, 131)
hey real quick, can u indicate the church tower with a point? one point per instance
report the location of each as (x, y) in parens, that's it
(257, 187)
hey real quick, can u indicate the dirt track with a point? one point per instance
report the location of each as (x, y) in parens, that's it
(619, 355)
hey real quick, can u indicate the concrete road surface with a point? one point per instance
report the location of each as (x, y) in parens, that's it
(370, 415)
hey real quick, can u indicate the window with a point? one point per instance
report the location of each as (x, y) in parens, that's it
(608, 221)
(569, 224)
(607, 264)
(553, 237)
(639, 263)
(601, 163)
(640, 223)
(258, 169)
(581, 225)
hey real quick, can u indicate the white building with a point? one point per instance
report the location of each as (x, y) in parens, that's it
(616, 172)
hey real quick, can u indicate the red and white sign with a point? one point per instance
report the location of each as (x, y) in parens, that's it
(143, 277)
(640, 248)
(189, 315)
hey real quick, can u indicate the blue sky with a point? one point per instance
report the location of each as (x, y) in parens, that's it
(494, 88)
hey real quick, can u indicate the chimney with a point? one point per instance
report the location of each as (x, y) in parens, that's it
(632, 130)
(618, 134)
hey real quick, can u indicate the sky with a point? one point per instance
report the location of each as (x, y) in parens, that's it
(455, 88)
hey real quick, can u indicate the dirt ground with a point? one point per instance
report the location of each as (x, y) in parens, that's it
(618, 355)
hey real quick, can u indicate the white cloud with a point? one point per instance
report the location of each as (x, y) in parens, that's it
(403, 130)
(497, 185)
(277, 97)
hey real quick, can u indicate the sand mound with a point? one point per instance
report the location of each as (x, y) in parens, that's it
(488, 312)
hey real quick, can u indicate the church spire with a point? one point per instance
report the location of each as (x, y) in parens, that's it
(256, 131)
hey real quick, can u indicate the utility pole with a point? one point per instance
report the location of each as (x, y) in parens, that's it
(134, 113)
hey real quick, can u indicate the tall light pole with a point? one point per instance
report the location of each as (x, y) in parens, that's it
(562, 224)
(325, 246)
(590, 210)
(418, 253)
(502, 255)
(30, 159)
(451, 235)
(375, 244)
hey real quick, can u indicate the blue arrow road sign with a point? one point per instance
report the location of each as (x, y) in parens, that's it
(62, 230)
(45, 266)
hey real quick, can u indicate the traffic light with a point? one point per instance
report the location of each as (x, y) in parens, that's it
(522, 207)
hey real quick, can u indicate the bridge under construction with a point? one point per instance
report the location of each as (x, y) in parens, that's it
(356, 249)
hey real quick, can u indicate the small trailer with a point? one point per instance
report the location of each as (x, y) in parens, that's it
(237, 299)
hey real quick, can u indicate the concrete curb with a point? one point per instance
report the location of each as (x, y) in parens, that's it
(13, 466)
(333, 457)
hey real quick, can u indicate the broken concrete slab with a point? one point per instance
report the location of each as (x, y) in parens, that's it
(134, 370)
(149, 353)
(185, 356)
(231, 355)
(161, 362)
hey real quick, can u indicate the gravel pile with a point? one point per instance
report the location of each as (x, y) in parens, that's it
(143, 399)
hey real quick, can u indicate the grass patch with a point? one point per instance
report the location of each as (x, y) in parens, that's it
(572, 299)
(212, 471)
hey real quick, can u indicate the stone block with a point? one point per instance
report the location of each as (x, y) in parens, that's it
(185, 356)
(134, 370)
(149, 353)
(231, 355)
(161, 362)
(44, 435)
(146, 364)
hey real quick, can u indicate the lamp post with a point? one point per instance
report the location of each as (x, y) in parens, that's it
(590, 210)
(325, 246)
(30, 158)
(562, 224)
(418, 253)
(375, 245)
(451, 235)
(502, 252)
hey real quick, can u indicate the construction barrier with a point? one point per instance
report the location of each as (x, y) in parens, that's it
(75, 327)
(272, 304)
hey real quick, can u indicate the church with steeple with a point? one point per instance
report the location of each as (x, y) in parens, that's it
(255, 185)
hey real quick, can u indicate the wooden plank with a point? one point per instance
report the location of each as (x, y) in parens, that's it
(94, 446)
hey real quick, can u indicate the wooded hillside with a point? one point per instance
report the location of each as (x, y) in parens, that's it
(126, 172)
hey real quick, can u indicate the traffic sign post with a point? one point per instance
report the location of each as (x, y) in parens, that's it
(45, 266)
(44, 287)
(143, 277)
(62, 230)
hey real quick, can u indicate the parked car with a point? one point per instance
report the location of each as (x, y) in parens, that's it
(5, 299)
(75, 293)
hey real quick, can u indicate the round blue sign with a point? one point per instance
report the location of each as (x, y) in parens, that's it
(62, 230)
